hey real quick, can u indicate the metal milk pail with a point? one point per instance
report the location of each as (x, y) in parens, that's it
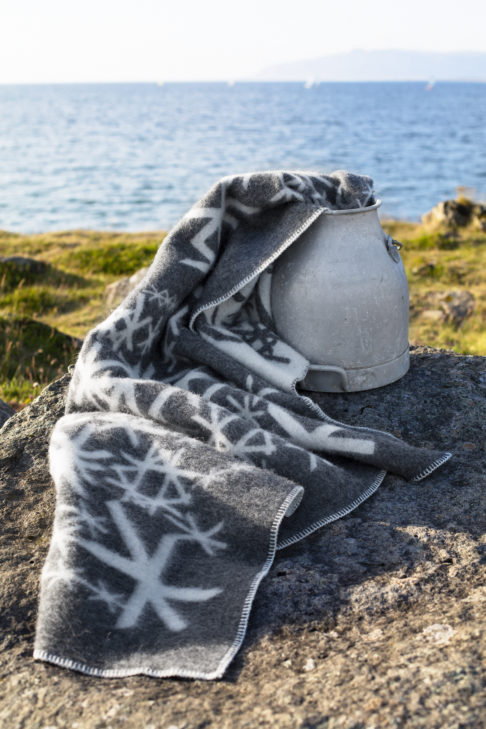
(340, 297)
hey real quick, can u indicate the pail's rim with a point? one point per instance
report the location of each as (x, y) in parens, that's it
(353, 211)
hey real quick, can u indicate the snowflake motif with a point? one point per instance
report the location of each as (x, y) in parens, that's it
(147, 570)
(262, 392)
(70, 458)
(214, 218)
(172, 333)
(128, 324)
(262, 340)
(217, 421)
(248, 409)
(112, 600)
(321, 437)
(205, 539)
(311, 456)
(94, 524)
(57, 572)
(79, 517)
(291, 187)
(172, 493)
(93, 376)
(215, 474)
(95, 382)
(308, 184)
(255, 442)
(343, 194)
(161, 298)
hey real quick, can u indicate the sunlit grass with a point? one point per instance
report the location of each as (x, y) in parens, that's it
(444, 262)
(68, 293)
(65, 291)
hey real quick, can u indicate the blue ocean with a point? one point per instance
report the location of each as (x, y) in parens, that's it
(136, 156)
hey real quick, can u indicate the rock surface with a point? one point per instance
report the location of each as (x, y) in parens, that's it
(5, 412)
(117, 291)
(25, 264)
(451, 214)
(374, 622)
(447, 306)
(15, 270)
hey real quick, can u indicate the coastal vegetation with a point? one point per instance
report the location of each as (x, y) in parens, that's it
(47, 305)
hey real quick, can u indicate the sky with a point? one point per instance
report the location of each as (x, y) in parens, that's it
(50, 41)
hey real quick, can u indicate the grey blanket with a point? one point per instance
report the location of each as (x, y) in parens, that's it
(186, 456)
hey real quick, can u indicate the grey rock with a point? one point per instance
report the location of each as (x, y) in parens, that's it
(26, 264)
(117, 291)
(451, 214)
(374, 621)
(5, 412)
(448, 306)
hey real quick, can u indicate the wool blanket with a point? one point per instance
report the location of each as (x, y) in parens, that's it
(187, 456)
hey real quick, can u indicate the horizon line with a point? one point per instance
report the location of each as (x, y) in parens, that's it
(232, 81)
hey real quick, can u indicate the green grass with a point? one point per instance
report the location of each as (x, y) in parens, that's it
(63, 295)
(68, 293)
(32, 354)
(115, 259)
(444, 261)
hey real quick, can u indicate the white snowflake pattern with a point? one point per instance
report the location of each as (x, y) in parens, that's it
(170, 341)
(71, 459)
(252, 443)
(290, 190)
(214, 217)
(175, 480)
(250, 409)
(128, 323)
(205, 539)
(215, 424)
(320, 438)
(160, 298)
(263, 391)
(147, 570)
(112, 600)
(93, 376)
(215, 474)
(80, 516)
(58, 571)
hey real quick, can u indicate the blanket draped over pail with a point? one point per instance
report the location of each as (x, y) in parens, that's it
(186, 456)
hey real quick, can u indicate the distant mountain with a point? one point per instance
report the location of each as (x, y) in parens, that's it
(359, 65)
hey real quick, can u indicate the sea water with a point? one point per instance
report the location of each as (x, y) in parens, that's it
(137, 156)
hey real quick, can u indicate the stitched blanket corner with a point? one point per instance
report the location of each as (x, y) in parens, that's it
(186, 456)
